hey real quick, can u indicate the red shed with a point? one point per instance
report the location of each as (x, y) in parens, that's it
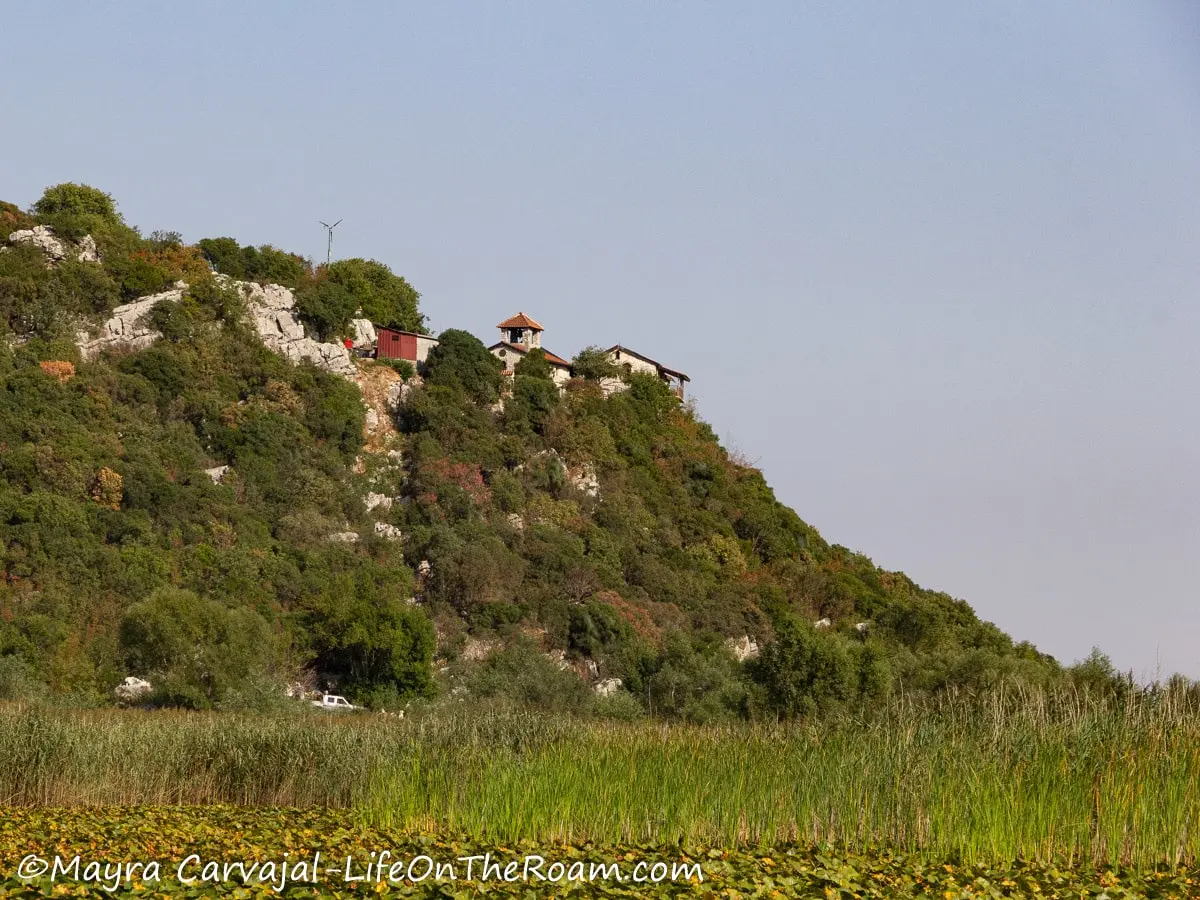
(391, 343)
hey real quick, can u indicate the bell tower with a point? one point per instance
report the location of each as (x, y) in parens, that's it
(521, 331)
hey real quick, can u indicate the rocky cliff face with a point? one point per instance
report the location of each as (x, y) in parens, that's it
(272, 310)
(127, 326)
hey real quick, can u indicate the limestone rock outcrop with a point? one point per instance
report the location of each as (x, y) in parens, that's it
(127, 326)
(364, 334)
(585, 479)
(217, 473)
(272, 309)
(743, 648)
(388, 532)
(132, 689)
(55, 248)
(607, 687)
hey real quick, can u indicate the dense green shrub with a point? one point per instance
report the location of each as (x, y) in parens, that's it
(73, 210)
(265, 264)
(461, 361)
(383, 297)
(534, 364)
(369, 640)
(194, 651)
(593, 364)
(328, 307)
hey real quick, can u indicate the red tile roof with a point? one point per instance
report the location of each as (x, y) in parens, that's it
(553, 358)
(520, 320)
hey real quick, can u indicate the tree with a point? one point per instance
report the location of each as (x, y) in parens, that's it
(369, 642)
(12, 219)
(533, 400)
(328, 307)
(534, 365)
(265, 264)
(384, 298)
(225, 254)
(593, 364)
(805, 672)
(194, 650)
(76, 201)
(461, 361)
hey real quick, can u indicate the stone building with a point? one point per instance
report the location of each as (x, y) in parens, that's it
(634, 362)
(520, 334)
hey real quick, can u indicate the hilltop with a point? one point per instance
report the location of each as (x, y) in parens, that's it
(202, 485)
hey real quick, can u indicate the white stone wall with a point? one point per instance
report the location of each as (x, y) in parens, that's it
(636, 365)
(424, 345)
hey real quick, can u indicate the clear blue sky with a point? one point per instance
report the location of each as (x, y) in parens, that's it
(935, 265)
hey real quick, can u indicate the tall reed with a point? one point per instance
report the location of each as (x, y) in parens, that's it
(1047, 776)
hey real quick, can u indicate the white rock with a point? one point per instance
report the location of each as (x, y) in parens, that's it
(272, 310)
(585, 479)
(475, 650)
(127, 325)
(55, 248)
(515, 520)
(364, 334)
(289, 327)
(371, 421)
(132, 689)
(559, 658)
(88, 252)
(388, 532)
(217, 473)
(377, 501)
(344, 537)
(862, 627)
(42, 238)
(822, 624)
(607, 687)
(396, 392)
(743, 648)
(424, 567)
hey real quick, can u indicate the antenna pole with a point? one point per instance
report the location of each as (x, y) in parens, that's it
(329, 244)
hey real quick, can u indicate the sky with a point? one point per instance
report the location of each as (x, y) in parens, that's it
(933, 267)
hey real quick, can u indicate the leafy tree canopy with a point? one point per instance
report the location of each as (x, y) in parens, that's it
(384, 298)
(593, 364)
(77, 200)
(461, 361)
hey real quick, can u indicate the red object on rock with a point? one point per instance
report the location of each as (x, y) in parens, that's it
(349, 344)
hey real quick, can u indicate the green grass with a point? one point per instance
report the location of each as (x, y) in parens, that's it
(1061, 777)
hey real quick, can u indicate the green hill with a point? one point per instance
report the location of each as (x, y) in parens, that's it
(506, 542)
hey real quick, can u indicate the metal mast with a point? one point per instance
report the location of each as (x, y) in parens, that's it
(329, 245)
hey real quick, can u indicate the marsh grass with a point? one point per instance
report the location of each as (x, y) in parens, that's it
(1041, 776)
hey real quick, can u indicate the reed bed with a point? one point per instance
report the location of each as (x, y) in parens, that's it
(1014, 775)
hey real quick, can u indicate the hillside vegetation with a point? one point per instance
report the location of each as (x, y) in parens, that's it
(614, 530)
